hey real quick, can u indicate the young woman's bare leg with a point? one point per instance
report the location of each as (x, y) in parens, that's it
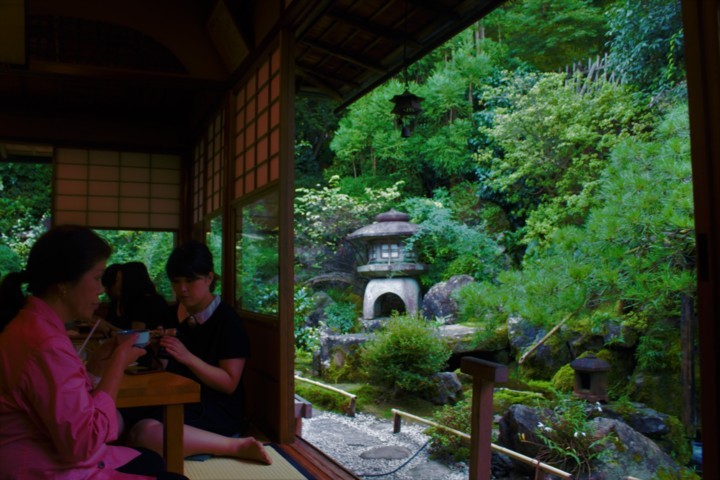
(148, 433)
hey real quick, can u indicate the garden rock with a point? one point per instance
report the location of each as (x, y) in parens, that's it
(522, 334)
(438, 302)
(445, 388)
(620, 336)
(320, 301)
(458, 337)
(517, 432)
(633, 454)
(547, 357)
(629, 453)
(645, 420)
(336, 350)
(390, 452)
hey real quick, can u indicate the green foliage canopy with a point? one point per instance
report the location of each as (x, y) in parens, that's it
(636, 248)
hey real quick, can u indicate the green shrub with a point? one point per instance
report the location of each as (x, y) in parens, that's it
(567, 438)
(403, 355)
(564, 379)
(9, 261)
(341, 318)
(306, 338)
(447, 445)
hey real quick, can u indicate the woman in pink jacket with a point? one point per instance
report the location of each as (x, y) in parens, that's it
(54, 422)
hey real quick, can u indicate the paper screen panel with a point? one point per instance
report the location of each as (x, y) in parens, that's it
(257, 123)
(117, 190)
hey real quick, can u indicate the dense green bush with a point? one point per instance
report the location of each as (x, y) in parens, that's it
(307, 338)
(403, 355)
(448, 246)
(446, 445)
(341, 318)
(9, 261)
(567, 437)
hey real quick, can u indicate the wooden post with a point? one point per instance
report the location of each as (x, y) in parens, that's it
(687, 370)
(485, 374)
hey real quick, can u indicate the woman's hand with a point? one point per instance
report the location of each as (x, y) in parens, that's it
(176, 349)
(113, 350)
(125, 350)
(122, 354)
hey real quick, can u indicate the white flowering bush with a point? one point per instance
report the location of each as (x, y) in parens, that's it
(567, 437)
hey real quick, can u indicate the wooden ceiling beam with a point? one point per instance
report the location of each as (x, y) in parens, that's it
(351, 57)
(134, 78)
(316, 79)
(370, 27)
(436, 9)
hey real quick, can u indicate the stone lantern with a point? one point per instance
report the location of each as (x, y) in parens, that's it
(591, 378)
(390, 266)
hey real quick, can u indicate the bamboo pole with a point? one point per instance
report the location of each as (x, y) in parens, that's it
(352, 397)
(397, 414)
(549, 334)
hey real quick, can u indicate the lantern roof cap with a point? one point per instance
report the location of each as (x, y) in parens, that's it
(387, 224)
(590, 363)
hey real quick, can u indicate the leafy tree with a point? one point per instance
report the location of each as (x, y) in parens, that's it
(646, 43)
(550, 145)
(450, 247)
(438, 154)
(315, 124)
(548, 34)
(635, 250)
(25, 206)
(150, 248)
(324, 216)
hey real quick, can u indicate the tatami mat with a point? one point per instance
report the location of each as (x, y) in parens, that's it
(235, 469)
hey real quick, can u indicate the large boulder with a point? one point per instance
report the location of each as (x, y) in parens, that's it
(438, 302)
(445, 388)
(630, 454)
(337, 350)
(517, 433)
(625, 452)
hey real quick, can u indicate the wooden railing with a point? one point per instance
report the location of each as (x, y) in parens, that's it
(398, 415)
(485, 375)
(351, 397)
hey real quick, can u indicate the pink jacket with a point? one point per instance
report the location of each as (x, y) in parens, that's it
(52, 424)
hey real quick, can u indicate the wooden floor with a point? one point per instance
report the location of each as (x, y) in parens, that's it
(316, 462)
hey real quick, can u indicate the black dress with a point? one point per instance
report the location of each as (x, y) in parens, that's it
(220, 337)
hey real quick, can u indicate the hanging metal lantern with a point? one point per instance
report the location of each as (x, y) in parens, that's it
(406, 110)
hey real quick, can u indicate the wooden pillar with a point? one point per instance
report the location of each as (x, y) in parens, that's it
(485, 374)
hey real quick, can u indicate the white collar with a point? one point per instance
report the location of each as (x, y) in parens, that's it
(200, 317)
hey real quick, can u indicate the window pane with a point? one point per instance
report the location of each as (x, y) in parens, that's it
(257, 255)
(213, 239)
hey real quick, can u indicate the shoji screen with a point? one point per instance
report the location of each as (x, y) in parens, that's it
(257, 128)
(209, 170)
(117, 190)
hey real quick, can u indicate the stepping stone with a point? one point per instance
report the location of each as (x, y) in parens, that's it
(392, 452)
(430, 471)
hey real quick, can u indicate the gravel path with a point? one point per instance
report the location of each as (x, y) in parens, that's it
(368, 447)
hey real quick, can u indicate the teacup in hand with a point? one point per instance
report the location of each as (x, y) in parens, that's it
(142, 340)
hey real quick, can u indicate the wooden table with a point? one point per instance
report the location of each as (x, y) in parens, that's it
(170, 391)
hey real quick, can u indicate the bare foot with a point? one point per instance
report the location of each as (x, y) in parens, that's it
(250, 449)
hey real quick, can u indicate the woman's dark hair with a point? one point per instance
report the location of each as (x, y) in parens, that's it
(62, 254)
(109, 276)
(136, 281)
(191, 260)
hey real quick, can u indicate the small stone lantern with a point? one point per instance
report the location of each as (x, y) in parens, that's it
(391, 267)
(591, 378)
